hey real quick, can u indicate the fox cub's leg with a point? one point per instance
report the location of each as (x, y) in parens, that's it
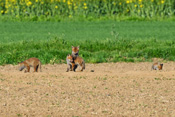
(36, 68)
(69, 67)
(81, 68)
(67, 70)
(73, 67)
(28, 69)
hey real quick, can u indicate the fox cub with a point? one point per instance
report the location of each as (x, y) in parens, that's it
(157, 66)
(78, 61)
(75, 51)
(31, 62)
(69, 63)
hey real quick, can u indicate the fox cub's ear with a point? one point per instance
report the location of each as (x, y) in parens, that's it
(72, 46)
(78, 47)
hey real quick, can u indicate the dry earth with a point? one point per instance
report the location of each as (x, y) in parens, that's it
(112, 90)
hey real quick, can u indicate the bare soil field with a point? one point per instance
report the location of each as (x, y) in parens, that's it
(112, 90)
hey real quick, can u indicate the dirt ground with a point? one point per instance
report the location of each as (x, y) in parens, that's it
(112, 90)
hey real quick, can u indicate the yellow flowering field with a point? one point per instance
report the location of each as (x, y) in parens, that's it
(87, 8)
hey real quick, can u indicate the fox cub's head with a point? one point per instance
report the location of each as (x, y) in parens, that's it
(160, 66)
(75, 50)
(21, 66)
(70, 58)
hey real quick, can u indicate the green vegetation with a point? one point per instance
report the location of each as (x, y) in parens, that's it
(59, 10)
(102, 41)
(81, 31)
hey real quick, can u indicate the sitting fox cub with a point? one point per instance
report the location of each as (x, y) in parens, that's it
(78, 61)
(75, 51)
(31, 62)
(157, 66)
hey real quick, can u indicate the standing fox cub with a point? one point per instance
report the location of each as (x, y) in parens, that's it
(78, 61)
(157, 66)
(31, 62)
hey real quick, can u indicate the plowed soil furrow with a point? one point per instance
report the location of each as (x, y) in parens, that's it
(113, 89)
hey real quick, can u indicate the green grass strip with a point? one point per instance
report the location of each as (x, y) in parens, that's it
(109, 50)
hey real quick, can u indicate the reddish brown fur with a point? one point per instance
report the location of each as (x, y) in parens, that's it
(31, 62)
(77, 61)
(69, 63)
(75, 49)
(71, 60)
(157, 66)
(160, 67)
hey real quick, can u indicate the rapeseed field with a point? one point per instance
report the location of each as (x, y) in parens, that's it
(87, 8)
